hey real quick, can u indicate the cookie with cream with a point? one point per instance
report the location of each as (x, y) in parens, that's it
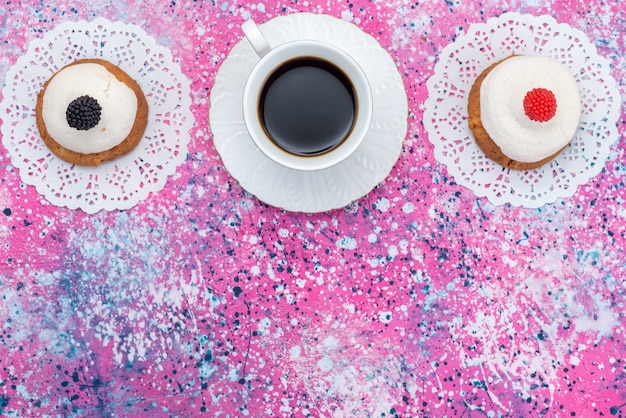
(524, 110)
(91, 111)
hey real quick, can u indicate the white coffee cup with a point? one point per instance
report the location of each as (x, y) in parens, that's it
(273, 60)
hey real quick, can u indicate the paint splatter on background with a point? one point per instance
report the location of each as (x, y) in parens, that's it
(417, 300)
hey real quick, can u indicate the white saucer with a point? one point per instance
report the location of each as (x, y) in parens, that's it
(334, 187)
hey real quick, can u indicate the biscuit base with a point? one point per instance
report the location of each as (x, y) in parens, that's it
(482, 138)
(124, 147)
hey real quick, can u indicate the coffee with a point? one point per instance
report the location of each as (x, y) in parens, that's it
(307, 106)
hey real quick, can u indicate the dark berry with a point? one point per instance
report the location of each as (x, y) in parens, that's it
(83, 113)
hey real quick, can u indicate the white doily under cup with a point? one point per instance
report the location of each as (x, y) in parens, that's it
(118, 184)
(459, 65)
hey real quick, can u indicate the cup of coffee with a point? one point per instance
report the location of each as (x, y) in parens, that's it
(307, 105)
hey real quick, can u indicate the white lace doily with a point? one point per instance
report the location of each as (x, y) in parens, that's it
(117, 184)
(445, 116)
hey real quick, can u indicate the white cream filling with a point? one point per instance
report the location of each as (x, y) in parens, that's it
(118, 102)
(502, 110)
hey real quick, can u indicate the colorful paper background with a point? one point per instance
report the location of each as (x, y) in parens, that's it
(417, 300)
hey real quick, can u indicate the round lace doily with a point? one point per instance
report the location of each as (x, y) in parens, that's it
(121, 183)
(463, 60)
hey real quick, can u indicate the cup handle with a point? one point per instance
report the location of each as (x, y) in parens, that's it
(255, 37)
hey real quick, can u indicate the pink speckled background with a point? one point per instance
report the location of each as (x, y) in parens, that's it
(418, 300)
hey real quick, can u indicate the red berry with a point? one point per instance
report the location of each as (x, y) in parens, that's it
(540, 105)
